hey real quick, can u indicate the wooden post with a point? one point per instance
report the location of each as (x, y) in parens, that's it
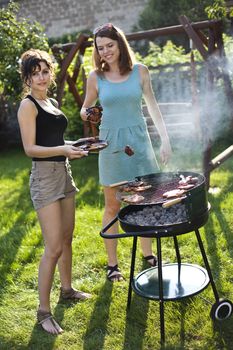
(194, 36)
(63, 76)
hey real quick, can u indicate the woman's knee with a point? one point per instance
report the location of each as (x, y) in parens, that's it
(53, 253)
(68, 238)
(68, 235)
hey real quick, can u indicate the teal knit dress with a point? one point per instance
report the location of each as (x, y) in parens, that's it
(123, 124)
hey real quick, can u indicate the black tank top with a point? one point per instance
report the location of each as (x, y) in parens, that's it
(50, 130)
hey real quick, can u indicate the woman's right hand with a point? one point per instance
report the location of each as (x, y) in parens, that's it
(72, 152)
(94, 114)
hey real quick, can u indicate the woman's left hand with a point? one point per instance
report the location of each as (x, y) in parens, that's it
(165, 151)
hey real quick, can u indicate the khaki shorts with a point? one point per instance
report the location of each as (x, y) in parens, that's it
(50, 181)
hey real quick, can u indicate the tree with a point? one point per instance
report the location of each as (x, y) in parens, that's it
(160, 13)
(16, 36)
(219, 10)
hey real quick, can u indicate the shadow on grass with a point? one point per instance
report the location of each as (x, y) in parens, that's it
(17, 205)
(222, 335)
(85, 174)
(209, 228)
(222, 330)
(183, 309)
(10, 242)
(136, 323)
(11, 345)
(97, 328)
(217, 210)
(136, 319)
(13, 161)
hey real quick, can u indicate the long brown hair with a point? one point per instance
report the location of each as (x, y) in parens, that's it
(30, 61)
(127, 58)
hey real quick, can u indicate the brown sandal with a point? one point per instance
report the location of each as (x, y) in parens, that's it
(73, 295)
(114, 274)
(43, 316)
(151, 260)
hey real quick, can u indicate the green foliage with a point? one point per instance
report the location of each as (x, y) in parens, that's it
(217, 10)
(67, 38)
(167, 55)
(72, 112)
(69, 106)
(170, 53)
(87, 60)
(160, 13)
(16, 36)
(228, 45)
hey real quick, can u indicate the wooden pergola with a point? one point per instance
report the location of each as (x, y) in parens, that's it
(208, 45)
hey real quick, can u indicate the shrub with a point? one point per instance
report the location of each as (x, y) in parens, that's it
(69, 105)
(16, 36)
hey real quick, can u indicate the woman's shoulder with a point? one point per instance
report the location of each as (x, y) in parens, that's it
(27, 103)
(141, 67)
(143, 72)
(93, 75)
(27, 106)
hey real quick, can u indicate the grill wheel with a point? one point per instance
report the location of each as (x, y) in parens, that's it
(221, 310)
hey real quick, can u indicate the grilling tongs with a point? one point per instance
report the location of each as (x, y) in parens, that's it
(173, 201)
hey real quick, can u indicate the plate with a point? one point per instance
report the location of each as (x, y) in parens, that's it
(91, 144)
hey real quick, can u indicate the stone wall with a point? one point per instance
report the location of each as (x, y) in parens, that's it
(66, 16)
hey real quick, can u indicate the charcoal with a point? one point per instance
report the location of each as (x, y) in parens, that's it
(157, 216)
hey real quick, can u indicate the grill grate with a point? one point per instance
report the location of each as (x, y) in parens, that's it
(153, 195)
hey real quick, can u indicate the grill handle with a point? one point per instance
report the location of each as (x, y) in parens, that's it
(119, 183)
(103, 234)
(171, 202)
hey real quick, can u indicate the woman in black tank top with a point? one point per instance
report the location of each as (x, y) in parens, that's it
(52, 188)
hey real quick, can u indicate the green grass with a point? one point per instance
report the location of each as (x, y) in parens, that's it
(102, 323)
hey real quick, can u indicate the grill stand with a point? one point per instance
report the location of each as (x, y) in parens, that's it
(221, 309)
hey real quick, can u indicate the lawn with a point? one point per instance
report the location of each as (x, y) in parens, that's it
(102, 323)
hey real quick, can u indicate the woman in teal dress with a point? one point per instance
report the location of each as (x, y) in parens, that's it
(119, 83)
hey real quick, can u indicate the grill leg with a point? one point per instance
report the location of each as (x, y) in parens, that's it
(207, 264)
(160, 276)
(132, 266)
(178, 257)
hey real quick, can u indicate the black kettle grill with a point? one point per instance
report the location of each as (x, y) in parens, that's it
(176, 280)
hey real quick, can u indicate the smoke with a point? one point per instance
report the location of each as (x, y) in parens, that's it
(197, 107)
(216, 100)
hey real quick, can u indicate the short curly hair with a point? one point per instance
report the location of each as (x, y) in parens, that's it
(30, 61)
